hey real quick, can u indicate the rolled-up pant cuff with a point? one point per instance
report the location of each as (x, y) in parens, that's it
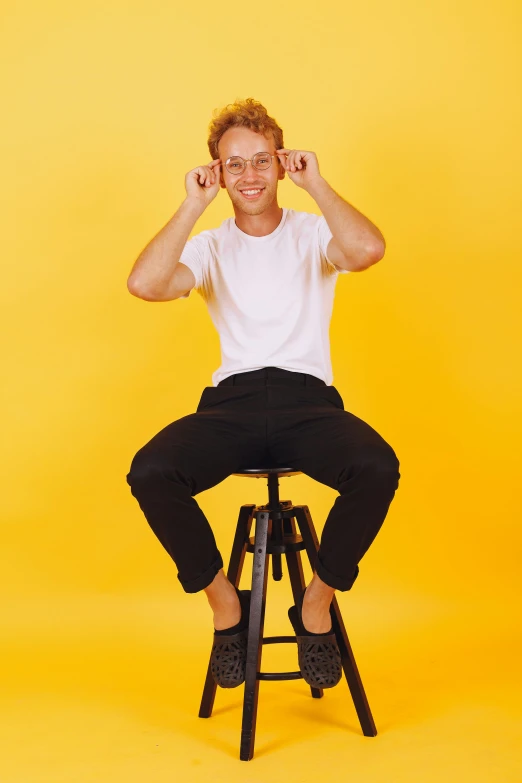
(337, 582)
(202, 581)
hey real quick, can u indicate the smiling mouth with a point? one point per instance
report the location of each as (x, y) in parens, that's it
(252, 193)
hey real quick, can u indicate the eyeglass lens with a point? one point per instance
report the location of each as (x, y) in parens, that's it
(260, 161)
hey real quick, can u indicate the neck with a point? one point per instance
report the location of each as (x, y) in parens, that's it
(259, 225)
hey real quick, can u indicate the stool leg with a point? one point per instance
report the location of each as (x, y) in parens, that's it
(297, 580)
(277, 538)
(237, 556)
(255, 634)
(307, 530)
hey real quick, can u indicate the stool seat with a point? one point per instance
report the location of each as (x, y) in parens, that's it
(276, 537)
(266, 472)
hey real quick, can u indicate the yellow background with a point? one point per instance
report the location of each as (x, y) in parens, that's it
(414, 112)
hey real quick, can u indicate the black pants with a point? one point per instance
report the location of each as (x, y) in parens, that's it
(266, 418)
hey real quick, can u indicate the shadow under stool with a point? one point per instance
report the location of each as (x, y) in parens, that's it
(275, 535)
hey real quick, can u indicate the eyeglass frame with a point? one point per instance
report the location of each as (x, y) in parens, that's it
(246, 160)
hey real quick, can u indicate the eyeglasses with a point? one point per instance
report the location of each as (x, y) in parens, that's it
(237, 164)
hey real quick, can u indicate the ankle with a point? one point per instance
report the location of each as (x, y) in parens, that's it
(224, 602)
(221, 593)
(318, 598)
(228, 613)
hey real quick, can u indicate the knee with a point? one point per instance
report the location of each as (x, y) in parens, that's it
(378, 464)
(385, 461)
(145, 467)
(151, 469)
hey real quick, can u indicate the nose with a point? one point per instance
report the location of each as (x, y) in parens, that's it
(251, 175)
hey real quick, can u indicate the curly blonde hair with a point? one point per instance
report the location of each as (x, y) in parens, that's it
(247, 113)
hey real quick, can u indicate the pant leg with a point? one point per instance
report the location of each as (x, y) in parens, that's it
(189, 456)
(314, 434)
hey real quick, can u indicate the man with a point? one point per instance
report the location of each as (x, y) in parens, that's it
(268, 279)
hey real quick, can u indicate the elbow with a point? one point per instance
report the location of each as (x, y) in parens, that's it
(132, 287)
(375, 252)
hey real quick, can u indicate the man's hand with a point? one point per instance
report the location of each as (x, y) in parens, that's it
(202, 183)
(302, 167)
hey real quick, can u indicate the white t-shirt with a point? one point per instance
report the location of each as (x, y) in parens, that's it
(270, 298)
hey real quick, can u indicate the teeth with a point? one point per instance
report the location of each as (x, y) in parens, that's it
(251, 192)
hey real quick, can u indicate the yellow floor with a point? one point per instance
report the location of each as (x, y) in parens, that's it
(104, 688)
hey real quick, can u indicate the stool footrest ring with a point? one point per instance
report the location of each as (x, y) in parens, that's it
(279, 676)
(278, 639)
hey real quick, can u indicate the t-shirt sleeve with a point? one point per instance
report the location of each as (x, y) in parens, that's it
(325, 236)
(195, 256)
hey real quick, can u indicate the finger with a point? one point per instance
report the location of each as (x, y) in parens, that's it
(283, 157)
(214, 169)
(206, 175)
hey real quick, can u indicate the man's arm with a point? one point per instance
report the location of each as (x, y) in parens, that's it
(356, 243)
(157, 274)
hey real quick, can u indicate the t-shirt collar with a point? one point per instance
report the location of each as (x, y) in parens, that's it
(274, 233)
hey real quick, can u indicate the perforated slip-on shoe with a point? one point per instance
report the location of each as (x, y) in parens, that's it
(229, 650)
(318, 653)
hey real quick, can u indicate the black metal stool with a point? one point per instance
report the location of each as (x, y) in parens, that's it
(275, 535)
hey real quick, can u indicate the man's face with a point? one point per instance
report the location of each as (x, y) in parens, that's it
(246, 143)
